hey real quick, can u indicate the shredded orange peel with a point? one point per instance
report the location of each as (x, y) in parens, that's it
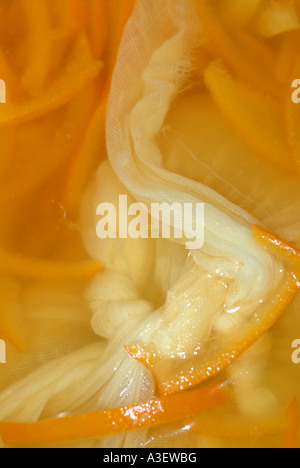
(82, 28)
(202, 370)
(287, 57)
(39, 45)
(115, 421)
(98, 26)
(251, 61)
(81, 70)
(33, 268)
(76, 15)
(277, 246)
(84, 160)
(71, 18)
(255, 117)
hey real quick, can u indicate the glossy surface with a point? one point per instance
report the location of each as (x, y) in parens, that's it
(199, 108)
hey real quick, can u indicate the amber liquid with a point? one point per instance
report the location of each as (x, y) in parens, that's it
(38, 220)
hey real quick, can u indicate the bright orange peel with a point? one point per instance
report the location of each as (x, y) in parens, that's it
(115, 421)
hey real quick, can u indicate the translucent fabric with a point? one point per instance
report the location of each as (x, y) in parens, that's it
(168, 140)
(155, 116)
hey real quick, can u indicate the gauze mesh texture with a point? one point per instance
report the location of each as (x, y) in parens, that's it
(176, 299)
(155, 292)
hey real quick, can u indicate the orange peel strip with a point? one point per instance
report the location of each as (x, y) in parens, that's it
(16, 264)
(39, 45)
(290, 433)
(115, 421)
(71, 17)
(198, 371)
(277, 246)
(83, 162)
(287, 57)
(98, 28)
(256, 118)
(80, 70)
(76, 15)
(242, 59)
(31, 177)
